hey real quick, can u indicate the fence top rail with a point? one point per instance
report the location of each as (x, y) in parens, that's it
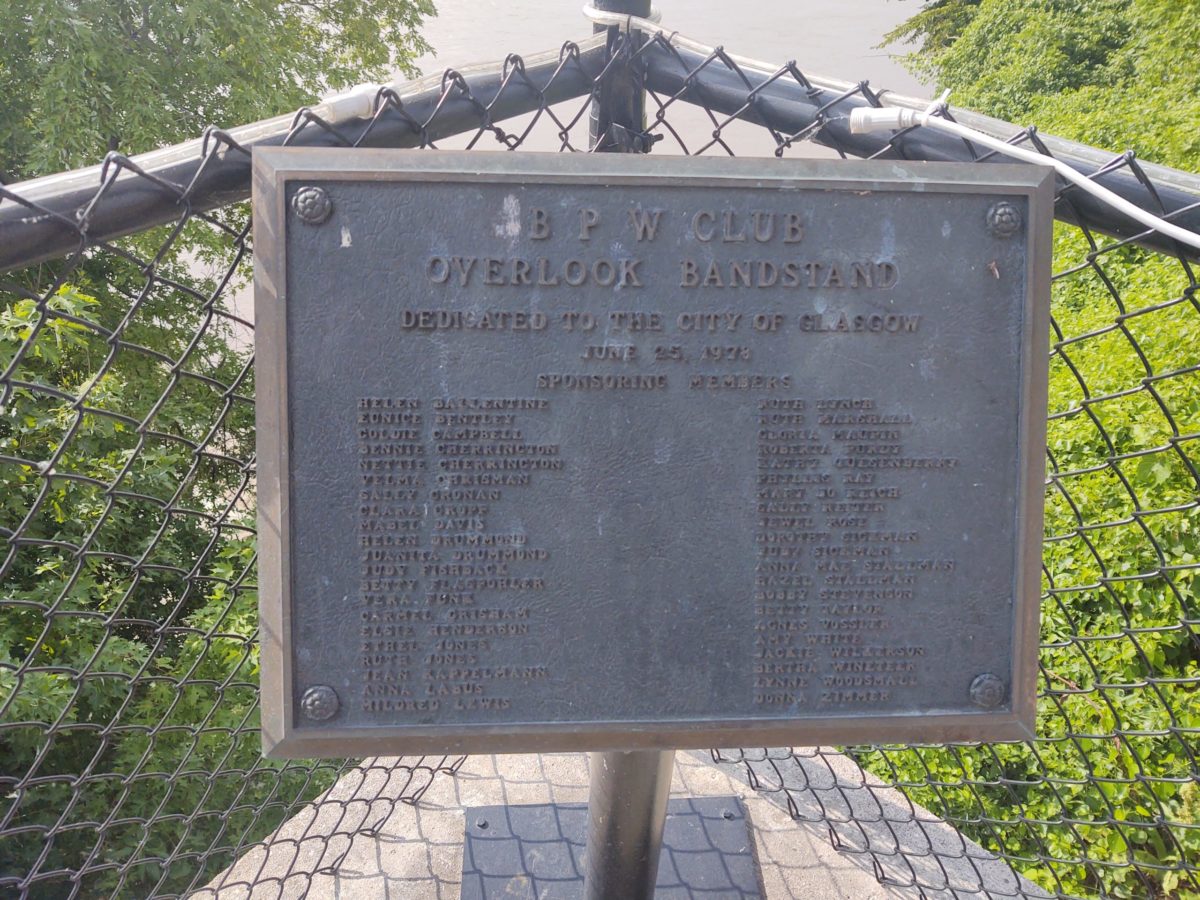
(55, 215)
(332, 110)
(52, 216)
(796, 106)
(653, 27)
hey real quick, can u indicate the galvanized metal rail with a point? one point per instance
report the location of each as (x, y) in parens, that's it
(52, 216)
(796, 106)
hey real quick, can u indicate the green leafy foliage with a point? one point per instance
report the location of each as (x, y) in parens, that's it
(1112, 73)
(128, 610)
(128, 665)
(80, 77)
(1104, 803)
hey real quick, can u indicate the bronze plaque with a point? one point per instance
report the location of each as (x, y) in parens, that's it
(599, 452)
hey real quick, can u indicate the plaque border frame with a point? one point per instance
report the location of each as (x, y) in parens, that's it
(274, 167)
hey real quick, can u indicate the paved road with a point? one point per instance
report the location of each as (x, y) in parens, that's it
(835, 38)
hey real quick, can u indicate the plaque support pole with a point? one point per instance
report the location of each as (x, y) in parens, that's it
(627, 797)
(627, 808)
(618, 115)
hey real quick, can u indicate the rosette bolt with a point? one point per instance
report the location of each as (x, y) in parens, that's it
(987, 691)
(1004, 219)
(319, 702)
(312, 205)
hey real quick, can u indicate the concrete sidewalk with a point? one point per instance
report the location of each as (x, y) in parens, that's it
(358, 841)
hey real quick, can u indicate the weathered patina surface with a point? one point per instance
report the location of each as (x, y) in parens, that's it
(583, 452)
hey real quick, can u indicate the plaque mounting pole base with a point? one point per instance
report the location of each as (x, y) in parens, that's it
(627, 808)
(618, 847)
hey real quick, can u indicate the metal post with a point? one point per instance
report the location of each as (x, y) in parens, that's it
(627, 797)
(627, 807)
(619, 113)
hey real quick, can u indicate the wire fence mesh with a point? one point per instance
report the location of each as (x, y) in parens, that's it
(128, 659)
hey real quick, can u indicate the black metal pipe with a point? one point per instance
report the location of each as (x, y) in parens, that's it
(221, 172)
(627, 797)
(627, 808)
(49, 226)
(788, 107)
(621, 100)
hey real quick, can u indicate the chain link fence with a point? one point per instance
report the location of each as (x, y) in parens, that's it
(128, 658)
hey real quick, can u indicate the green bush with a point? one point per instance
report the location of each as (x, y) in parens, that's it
(1107, 801)
(128, 667)
(128, 615)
